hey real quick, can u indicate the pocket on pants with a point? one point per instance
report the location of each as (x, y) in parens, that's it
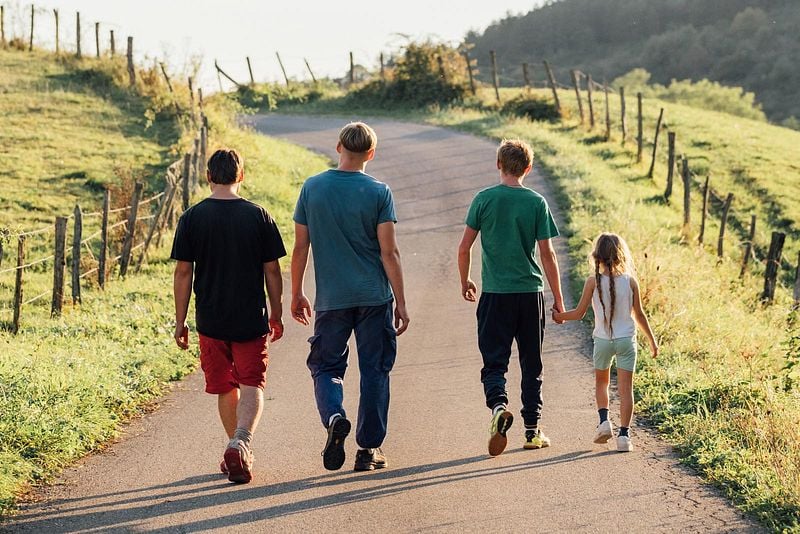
(389, 348)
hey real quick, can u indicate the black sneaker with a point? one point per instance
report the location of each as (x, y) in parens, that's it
(333, 453)
(369, 459)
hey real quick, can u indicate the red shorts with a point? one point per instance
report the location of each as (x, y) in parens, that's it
(227, 364)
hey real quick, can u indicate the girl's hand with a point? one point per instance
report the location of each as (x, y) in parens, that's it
(654, 349)
(557, 315)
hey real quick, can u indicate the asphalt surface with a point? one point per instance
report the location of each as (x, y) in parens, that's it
(162, 475)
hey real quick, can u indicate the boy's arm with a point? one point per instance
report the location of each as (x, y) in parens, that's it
(301, 307)
(272, 271)
(390, 257)
(583, 305)
(641, 319)
(182, 290)
(468, 288)
(550, 266)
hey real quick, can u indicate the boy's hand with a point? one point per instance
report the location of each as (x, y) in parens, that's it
(301, 309)
(182, 335)
(558, 309)
(469, 290)
(275, 330)
(401, 318)
(555, 315)
(654, 349)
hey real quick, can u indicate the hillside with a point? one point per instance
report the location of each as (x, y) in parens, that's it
(745, 43)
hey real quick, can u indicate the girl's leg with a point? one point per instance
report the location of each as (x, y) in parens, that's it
(625, 390)
(601, 378)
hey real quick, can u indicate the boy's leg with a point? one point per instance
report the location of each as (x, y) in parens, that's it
(227, 404)
(529, 336)
(377, 349)
(496, 327)
(327, 360)
(216, 360)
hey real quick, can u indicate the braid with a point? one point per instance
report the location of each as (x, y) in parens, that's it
(599, 288)
(613, 298)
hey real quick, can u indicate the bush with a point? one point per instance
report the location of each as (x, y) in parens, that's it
(533, 108)
(266, 97)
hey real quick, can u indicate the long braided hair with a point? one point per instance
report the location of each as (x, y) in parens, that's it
(611, 255)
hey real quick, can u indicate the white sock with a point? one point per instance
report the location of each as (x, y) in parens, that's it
(330, 420)
(498, 408)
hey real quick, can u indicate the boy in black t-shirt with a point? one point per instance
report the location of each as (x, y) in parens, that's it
(229, 245)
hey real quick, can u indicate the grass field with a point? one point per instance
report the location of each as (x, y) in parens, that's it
(725, 389)
(69, 129)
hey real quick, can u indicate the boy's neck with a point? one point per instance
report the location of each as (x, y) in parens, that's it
(225, 191)
(511, 181)
(351, 164)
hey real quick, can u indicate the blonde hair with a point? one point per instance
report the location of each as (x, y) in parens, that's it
(514, 156)
(612, 252)
(358, 137)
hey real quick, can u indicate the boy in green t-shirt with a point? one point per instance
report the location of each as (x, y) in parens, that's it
(512, 219)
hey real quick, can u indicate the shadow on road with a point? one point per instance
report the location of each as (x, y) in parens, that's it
(130, 508)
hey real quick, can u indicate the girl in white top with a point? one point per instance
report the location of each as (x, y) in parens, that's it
(613, 292)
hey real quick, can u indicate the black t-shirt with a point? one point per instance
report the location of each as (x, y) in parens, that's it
(229, 241)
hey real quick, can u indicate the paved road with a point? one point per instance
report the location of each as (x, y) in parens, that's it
(162, 476)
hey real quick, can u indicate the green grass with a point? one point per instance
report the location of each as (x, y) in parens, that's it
(71, 128)
(725, 389)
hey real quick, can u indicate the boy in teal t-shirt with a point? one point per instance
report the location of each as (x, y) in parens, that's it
(512, 220)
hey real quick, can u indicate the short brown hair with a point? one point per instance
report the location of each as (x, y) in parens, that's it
(514, 156)
(225, 166)
(358, 137)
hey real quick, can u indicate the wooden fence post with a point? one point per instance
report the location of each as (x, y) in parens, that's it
(151, 231)
(796, 292)
(191, 101)
(495, 79)
(773, 266)
(1, 252)
(576, 82)
(655, 144)
(526, 76)
(469, 72)
(97, 38)
(725, 209)
(78, 34)
(670, 164)
(314, 78)
(77, 232)
(686, 192)
(748, 247)
(58, 45)
(195, 164)
(552, 80)
(58, 266)
(131, 70)
(203, 152)
(168, 208)
(187, 192)
(640, 132)
(250, 70)
(3, 26)
(352, 69)
(589, 83)
(30, 46)
(220, 71)
(383, 69)
(704, 213)
(200, 99)
(608, 112)
(127, 245)
(18, 283)
(623, 118)
(112, 43)
(101, 261)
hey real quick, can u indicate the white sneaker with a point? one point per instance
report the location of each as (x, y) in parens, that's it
(604, 432)
(624, 444)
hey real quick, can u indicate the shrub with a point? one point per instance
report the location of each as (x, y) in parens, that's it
(532, 107)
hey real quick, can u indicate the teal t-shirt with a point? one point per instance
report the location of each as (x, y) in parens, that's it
(510, 220)
(342, 211)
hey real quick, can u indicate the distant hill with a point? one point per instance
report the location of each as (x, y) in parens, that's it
(754, 44)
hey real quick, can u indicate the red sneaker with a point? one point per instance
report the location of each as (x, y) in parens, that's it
(239, 461)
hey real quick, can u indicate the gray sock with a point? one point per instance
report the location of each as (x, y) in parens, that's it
(243, 435)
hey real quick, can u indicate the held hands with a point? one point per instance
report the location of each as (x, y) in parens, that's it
(301, 309)
(275, 330)
(182, 335)
(558, 313)
(401, 318)
(469, 290)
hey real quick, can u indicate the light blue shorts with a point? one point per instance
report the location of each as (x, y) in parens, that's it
(623, 348)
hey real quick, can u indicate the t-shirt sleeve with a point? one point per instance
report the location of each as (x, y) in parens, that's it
(386, 212)
(181, 245)
(473, 219)
(545, 225)
(300, 208)
(272, 247)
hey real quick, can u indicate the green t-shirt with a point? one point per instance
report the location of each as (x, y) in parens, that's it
(511, 220)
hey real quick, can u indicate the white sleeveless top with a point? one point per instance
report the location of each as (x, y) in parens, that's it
(622, 323)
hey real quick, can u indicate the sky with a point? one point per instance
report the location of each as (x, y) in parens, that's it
(323, 31)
